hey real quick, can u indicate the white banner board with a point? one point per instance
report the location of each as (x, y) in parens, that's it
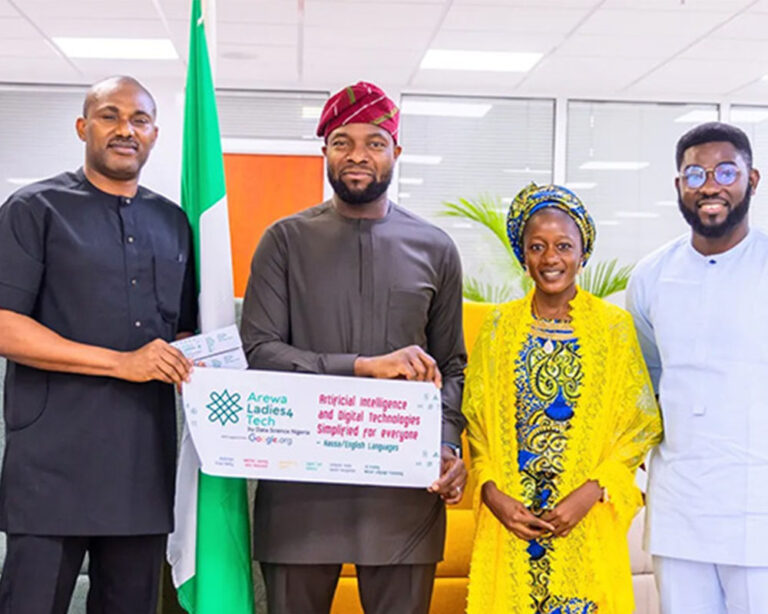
(314, 428)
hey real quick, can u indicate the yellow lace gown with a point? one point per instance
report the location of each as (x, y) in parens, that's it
(549, 406)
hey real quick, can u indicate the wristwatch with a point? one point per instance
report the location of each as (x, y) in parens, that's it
(454, 448)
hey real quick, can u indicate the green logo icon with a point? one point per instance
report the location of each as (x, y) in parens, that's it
(224, 407)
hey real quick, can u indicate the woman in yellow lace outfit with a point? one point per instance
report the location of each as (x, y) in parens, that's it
(560, 414)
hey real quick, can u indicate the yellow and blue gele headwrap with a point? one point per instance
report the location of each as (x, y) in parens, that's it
(534, 198)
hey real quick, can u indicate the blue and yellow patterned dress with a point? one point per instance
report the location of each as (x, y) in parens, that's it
(548, 374)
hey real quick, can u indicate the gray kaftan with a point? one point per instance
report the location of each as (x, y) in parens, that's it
(323, 290)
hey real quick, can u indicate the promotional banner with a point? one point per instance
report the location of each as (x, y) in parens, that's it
(314, 428)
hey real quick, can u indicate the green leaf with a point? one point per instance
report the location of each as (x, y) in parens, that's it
(605, 278)
(488, 211)
(482, 292)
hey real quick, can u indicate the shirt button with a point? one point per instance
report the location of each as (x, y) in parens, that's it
(137, 323)
(130, 239)
(713, 261)
(134, 281)
(127, 201)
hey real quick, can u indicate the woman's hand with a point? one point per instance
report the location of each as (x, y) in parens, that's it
(513, 514)
(569, 512)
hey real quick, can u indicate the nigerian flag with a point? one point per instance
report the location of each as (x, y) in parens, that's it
(209, 551)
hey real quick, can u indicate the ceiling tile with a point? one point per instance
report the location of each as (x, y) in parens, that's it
(260, 34)
(259, 11)
(682, 6)
(90, 9)
(700, 77)
(103, 28)
(756, 93)
(722, 49)
(147, 69)
(465, 82)
(748, 25)
(598, 46)
(371, 16)
(602, 75)
(560, 4)
(510, 19)
(17, 28)
(264, 60)
(6, 10)
(339, 66)
(21, 49)
(257, 74)
(39, 70)
(618, 22)
(473, 40)
(403, 38)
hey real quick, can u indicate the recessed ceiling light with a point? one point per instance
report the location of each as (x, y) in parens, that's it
(117, 48)
(420, 159)
(494, 61)
(637, 214)
(764, 78)
(580, 185)
(404, 195)
(697, 116)
(445, 109)
(411, 181)
(311, 112)
(606, 165)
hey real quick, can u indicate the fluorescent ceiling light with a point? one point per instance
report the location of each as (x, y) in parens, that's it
(697, 116)
(493, 61)
(666, 203)
(637, 214)
(580, 185)
(311, 112)
(404, 195)
(445, 109)
(748, 116)
(607, 165)
(528, 171)
(466, 225)
(608, 222)
(411, 181)
(420, 159)
(117, 48)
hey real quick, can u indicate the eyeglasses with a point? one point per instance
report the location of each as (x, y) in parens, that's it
(725, 174)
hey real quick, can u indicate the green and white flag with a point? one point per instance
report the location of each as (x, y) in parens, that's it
(209, 551)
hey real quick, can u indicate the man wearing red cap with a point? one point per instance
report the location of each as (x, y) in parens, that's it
(357, 286)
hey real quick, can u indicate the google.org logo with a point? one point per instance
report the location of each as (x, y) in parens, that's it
(270, 440)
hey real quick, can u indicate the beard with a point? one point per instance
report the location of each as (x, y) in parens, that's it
(715, 231)
(359, 197)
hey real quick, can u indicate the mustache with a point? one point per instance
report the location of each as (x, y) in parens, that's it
(123, 143)
(355, 169)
